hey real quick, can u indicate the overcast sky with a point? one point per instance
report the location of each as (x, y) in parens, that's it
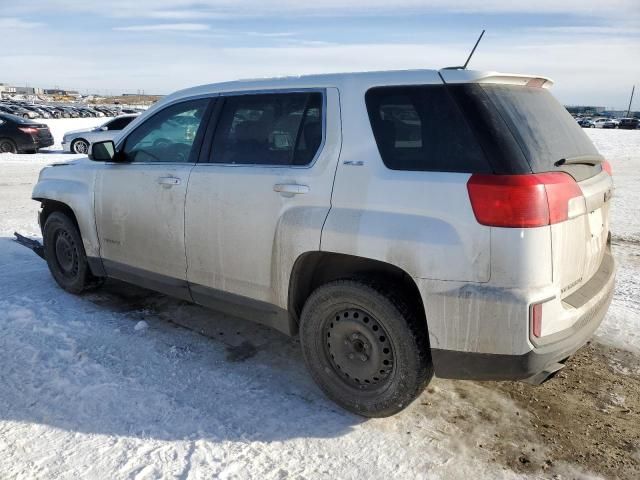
(590, 48)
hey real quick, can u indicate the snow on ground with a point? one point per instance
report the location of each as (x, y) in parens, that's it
(106, 385)
(622, 323)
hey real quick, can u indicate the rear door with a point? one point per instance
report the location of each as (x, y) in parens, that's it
(260, 197)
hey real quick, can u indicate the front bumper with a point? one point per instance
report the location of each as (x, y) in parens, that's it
(593, 300)
(66, 146)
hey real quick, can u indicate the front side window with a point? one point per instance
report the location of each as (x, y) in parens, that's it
(168, 136)
(269, 129)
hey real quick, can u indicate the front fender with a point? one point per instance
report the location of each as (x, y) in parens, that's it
(72, 184)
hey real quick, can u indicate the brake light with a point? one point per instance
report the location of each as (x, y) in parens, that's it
(606, 166)
(522, 201)
(29, 130)
(536, 319)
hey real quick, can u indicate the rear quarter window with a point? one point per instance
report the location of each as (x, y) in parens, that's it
(420, 128)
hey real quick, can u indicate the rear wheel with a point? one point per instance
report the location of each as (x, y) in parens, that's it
(7, 146)
(65, 255)
(80, 146)
(364, 348)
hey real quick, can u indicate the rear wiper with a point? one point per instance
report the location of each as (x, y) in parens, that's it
(583, 160)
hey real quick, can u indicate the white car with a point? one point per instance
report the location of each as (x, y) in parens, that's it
(78, 141)
(403, 224)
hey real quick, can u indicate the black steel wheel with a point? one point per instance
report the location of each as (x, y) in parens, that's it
(364, 347)
(65, 255)
(358, 348)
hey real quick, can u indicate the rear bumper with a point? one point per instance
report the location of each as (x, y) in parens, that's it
(45, 142)
(26, 144)
(555, 349)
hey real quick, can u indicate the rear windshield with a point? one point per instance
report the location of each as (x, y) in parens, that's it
(16, 119)
(535, 132)
(544, 129)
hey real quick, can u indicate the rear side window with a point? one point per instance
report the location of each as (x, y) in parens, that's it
(269, 129)
(119, 123)
(421, 129)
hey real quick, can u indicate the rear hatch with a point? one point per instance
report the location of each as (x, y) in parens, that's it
(524, 130)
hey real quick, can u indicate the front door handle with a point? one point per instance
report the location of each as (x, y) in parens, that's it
(169, 181)
(290, 188)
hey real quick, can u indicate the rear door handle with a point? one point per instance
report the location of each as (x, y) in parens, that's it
(291, 188)
(169, 181)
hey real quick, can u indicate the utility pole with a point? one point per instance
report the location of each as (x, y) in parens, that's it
(631, 100)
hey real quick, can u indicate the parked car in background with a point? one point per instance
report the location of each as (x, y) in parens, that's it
(629, 123)
(599, 122)
(585, 123)
(78, 141)
(19, 111)
(403, 224)
(611, 123)
(20, 135)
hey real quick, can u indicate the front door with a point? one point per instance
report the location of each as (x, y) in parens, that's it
(139, 202)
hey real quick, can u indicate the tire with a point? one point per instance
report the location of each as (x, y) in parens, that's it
(80, 146)
(25, 116)
(353, 328)
(7, 146)
(65, 255)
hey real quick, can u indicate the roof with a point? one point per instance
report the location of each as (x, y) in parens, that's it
(360, 79)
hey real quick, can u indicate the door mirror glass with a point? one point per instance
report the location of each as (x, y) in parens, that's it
(102, 151)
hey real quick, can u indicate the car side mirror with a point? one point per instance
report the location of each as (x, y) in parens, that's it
(104, 129)
(103, 151)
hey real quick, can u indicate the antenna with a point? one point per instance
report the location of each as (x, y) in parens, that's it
(464, 67)
(631, 100)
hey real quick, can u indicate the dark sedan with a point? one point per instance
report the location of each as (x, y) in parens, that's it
(18, 135)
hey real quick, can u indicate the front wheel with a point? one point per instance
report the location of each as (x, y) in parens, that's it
(65, 255)
(80, 146)
(365, 348)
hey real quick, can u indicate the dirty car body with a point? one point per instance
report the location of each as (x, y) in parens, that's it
(472, 195)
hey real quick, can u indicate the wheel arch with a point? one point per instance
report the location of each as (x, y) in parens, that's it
(50, 206)
(313, 269)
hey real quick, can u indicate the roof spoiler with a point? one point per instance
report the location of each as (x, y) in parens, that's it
(470, 76)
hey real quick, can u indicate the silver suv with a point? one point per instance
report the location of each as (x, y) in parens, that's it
(403, 224)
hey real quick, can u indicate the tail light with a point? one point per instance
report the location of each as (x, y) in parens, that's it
(606, 166)
(29, 130)
(522, 201)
